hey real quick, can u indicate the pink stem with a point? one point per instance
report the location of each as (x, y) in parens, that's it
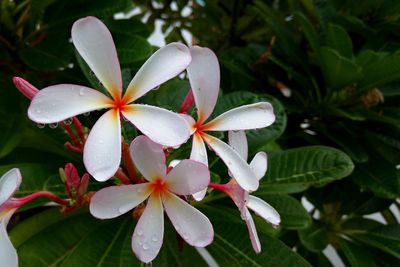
(79, 129)
(187, 102)
(220, 187)
(71, 134)
(23, 200)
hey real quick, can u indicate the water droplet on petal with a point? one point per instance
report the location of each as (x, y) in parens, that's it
(53, 125)
(86, 114)
(41, 125)
(124, 208)
(154, 238)
(68, 121)
(139, 232)
(145, 246)
(38, 111)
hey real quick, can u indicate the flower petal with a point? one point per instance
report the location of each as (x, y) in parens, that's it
(253, 116)
(255, 241)
(239, 169)
(94, 43)
(163, 65)
(9, 183)
(113, 201)
(59, 102)
(148, 157)
(8, 254)
(102, 151)
(204, 79)
(264, 210)
(259, 164)
(188, 177)
(199, 152)
(162, 126)
(149, 231)
(238, 141)
(191, 224)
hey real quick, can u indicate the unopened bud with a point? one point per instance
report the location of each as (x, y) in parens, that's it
(25, 87)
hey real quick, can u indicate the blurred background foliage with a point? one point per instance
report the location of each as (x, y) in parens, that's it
(331, 68)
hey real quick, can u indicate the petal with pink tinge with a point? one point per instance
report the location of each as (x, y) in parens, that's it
(264, 210)
(192, 225)
(259, 164)
(9, 183)
(102, 151)
(253, 116)
(163, 65)
(239, 169)
(188, 177)
(148, 157)
(160, 125)
(59, 102)
(8, 254)
(238, 141)
(113, 201)
(255, 241)
(94, 43)
(149, 231)
(204, 77)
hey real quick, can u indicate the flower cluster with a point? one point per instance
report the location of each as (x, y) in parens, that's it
(146, 180)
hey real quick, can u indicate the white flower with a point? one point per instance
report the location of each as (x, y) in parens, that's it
(102, 151)
(241, 197)
(204, 79)
(9, 183)
(160, 190)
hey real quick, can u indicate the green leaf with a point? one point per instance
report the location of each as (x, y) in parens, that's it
(355, 254)
(302, 167)
(132, 27)
(36, 177)
(314, 238)
(293, 214)
(310, 32)
(339, 40)
(378, 73)
(69, 11)
(381, 178)
(233, 100)
(385, 238)
(132, 49)
(339, 72)
(232, 247)
(258, 138)
(42, 60)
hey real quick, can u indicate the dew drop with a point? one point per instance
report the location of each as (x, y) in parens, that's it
(38, 111)
(185, 236)
(86, 114)
(139, 232)
(154, 238)
(145, 246)
(68, 121)
(53, 125)
(41, 125)
(124, 208)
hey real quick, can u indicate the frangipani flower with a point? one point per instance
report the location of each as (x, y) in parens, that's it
(160, 190)
(9, 183)
(102, 151)
(241, 197)
(204, 79)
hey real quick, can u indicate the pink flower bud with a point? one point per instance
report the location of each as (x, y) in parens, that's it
(25, 87)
